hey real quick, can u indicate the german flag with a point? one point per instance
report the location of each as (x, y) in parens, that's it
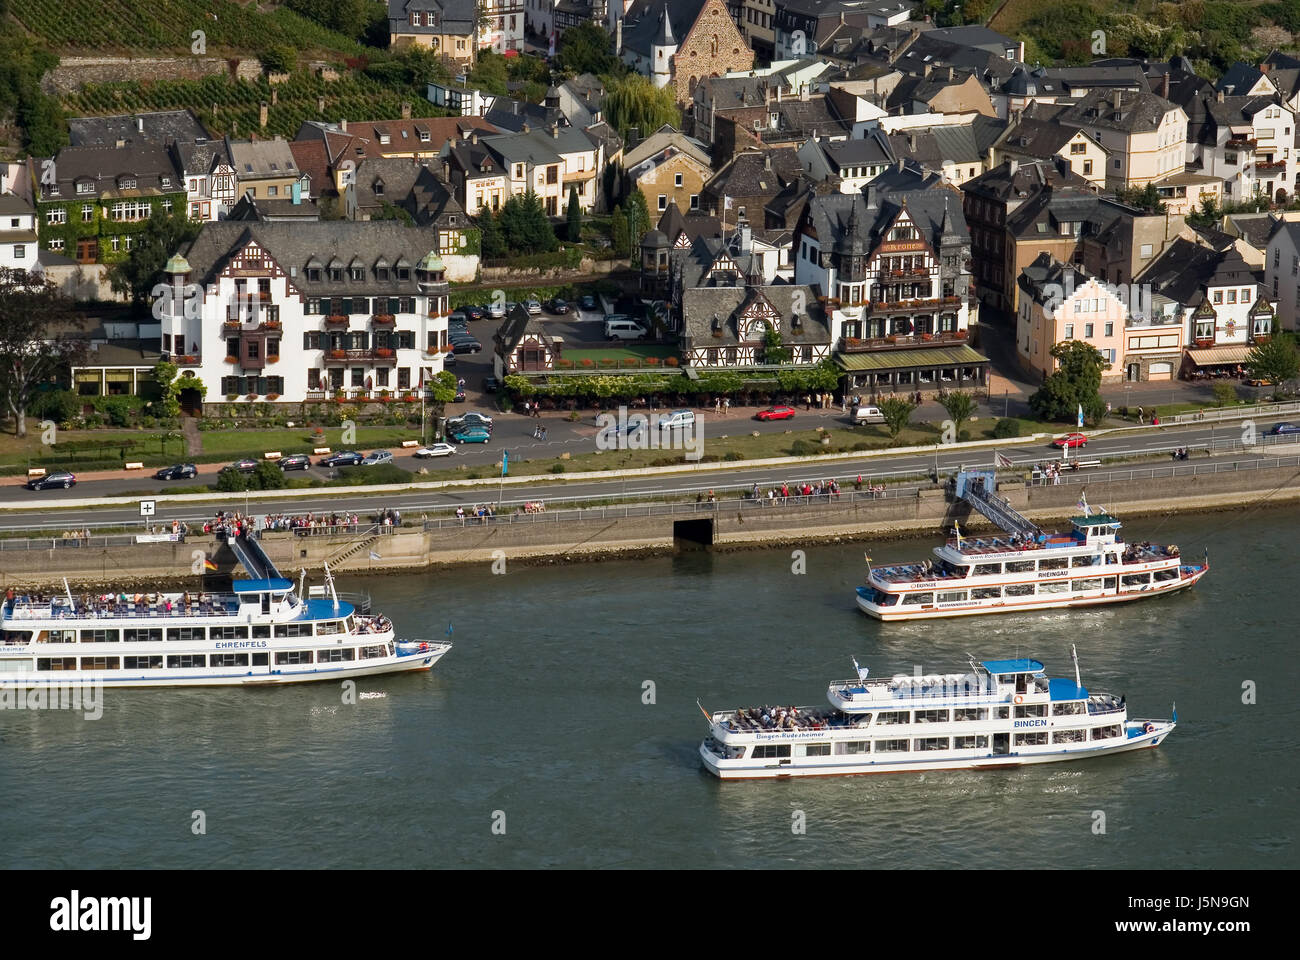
(209, 565)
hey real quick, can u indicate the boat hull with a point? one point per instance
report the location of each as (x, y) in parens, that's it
(772, 769)
(897, 612)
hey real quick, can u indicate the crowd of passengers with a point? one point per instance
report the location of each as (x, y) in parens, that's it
(776, 718)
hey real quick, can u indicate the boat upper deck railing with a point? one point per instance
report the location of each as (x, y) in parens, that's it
(950, 685)
(207, 605)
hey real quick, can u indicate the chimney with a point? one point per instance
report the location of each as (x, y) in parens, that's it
(618, 37)
(263, 109)
(525, 128)
(950, 74)
(139, 124)
(911, 142)
(1115, 98)
(555, 131)
(1219, 96)
(925, 70)
(406, 109)
(320, 104)
(275, 96)
(746, 237)
(803, 91)
(1164, 86)
(1012, 167)
(343, 124)
(446, 171)
(767, 161)
(473, 137)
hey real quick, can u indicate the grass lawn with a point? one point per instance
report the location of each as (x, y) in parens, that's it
(227, 445)
(635, 352)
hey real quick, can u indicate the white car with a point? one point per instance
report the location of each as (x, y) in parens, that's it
(534, 307)
(435, 450)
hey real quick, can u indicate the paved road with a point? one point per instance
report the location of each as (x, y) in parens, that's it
(874, 469)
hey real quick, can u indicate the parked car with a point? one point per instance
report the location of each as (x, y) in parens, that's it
(1070, 440)
(246, 465)
(471, 435)
(496, 310)
(677, 419)
(533, 306)
(457, 317)
(865, 414)
(458, 326)
(179, 471)
(458, 336)
(471, 418)
(557, 306)
(344, 458)
(624, 330)
(1260, 382)
(474, 312)
(59, 478)
(510, 307)
(449, 360)
(466, 346)
(1278, 429)
(459, 398)
(379, 456)
(295, 461)
(435, 450)
(775, 413)
(588, 302)
(491, 384)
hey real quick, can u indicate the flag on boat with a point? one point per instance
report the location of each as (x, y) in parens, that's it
(209, 565)
(449, 629)
(375, 556)
(862, 671)
(1081, 416)
(703, 711)
(1001, 460)
(956, 528)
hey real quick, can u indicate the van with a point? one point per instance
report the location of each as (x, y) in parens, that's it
(623, 330)
(865, 414)
(677, 420)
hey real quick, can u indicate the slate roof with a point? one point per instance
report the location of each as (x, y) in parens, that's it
(672, 224)
(1031, 137)
(407, 134)
(262, 159)
(746, 174)
(1185, 269)
(1003, 184)
(1031, 82)
(667, 137)
(313, 161)
(517, 325)
(701, 305)
(199, 156)
(935, 146)
(871, 150)
(415, 187)
(731, 93)
(1239, 79)
(643, 27)
(273, 208)
(160, 127)
(1254, 228)
(1139, 112)
(457, 17)
(932, 50)
(147, 163)
(855, 224)
(292, 245)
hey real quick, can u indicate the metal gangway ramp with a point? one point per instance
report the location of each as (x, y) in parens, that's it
(977, 488)
(254, 559)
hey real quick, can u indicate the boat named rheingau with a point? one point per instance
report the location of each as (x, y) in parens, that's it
(1026, 568)
(261, 632)
(1003, 713)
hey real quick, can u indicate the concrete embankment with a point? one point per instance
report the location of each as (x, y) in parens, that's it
(633, 531)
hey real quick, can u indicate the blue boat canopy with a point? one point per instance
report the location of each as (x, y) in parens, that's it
(277, 585)
(1012, 666)
(1062, 689)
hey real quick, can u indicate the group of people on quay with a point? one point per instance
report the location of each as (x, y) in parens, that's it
(830, 489)
(480, 511)
(329, 523)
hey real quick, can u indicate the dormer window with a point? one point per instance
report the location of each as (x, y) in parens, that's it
(403, 273)
(313, 274)
(85, 186)
(358, 274)
(378, 188)
(381, 274)
(126, 183)
(336, 274)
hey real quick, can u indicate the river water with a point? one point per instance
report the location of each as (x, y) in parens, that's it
(531, 743)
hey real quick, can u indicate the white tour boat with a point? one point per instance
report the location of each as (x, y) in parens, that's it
(262, 632)
(1003, 713)
(1025, 569)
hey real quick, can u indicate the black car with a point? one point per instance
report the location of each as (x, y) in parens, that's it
(467, 421)
(588, 303)
(344, 458)
(179, 471)
(449, 360)
(557, 306)
(466, 346)
(473, 312)
(1279, 429)
(459, 398)
(246, 465)
(491, 384)
(59, 478)
(295, 461)
(457, 318)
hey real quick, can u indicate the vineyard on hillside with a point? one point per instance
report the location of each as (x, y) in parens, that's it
(353, 96)
(167, 25)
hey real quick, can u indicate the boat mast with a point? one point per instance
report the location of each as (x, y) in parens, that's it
(329, 580)
(1074, 654)
(302, 580)
(68, 590)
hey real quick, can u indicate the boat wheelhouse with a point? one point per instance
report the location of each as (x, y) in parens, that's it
(262, 631)
(1026, 568)
(1002, 713)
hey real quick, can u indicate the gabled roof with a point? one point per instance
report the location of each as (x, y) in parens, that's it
(749, 174)
(261, 159)
(1185, 269)
(459, 17)
(667, 138)
(644, 23)
(709, 309)
(158, 127)
(1139, 112)
(312, 160)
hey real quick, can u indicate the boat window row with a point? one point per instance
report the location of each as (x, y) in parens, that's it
(195, 634)
(1106, 732)
(1051, 587)
(1069, 708)
(1031, 710)
(200, 660)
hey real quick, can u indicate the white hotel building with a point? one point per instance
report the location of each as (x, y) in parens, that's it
(295, 312)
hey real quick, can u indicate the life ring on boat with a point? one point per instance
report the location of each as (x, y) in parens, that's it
(1149, 728)
(424, 647)
(1020, 699)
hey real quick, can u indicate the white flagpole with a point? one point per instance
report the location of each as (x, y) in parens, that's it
(1074, 653)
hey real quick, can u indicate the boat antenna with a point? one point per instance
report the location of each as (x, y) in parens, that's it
(329, 581)
(302, 579)
(1074, 654)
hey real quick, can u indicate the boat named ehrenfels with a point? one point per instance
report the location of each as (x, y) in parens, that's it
(1025, 569)
(1003, 713)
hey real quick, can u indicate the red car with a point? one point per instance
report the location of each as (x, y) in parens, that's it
(1070, 440)
(775, 413)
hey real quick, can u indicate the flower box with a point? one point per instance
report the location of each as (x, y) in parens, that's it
(586, 362)
(607, 362)
(383, 352)
(189, 358)
(340, 318)
(629, 361)
(670, 361)
(338, 354)
(273, 396)
(252, 396)
(652, 361)
(384, 318)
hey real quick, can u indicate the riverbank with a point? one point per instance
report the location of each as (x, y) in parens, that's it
(642, 530)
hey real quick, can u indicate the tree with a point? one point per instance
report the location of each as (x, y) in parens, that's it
(773, 351)
(1275, 360)
(525, 225)
(162, 236)
(35, 345)
(1145, 198)
(633, 101)
(389, 211)
(574, 215)
(442, 388)
(959, 404)
(618, 231)
(898, 414)
(1076, 383)
(587, 48)
(279, 58)
(1224, 393)
(491, 246)
(639, 223)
